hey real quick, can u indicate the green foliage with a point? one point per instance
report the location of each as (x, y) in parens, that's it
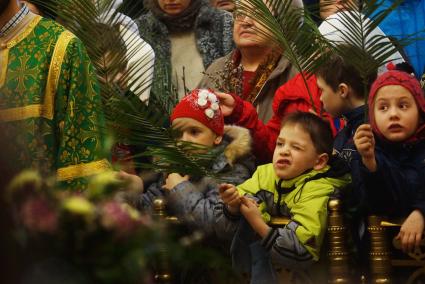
(129, 120)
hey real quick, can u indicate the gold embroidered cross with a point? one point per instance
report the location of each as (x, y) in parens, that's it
(23, 74)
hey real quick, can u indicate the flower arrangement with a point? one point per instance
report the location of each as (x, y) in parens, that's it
(92, 237)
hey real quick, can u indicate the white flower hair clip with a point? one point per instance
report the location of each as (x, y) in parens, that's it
(205, 96)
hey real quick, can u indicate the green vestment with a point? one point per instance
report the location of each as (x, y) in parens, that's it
(50, 103)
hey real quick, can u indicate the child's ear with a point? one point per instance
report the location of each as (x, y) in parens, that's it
(321, 162)
(343, 89)
(217, 140)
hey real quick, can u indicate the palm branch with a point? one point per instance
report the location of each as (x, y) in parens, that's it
(129, 120)
(307, 49)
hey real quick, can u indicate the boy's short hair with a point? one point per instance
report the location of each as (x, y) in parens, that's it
(319, 130)
(336, 70)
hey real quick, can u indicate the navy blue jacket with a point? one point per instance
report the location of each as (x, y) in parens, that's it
(343, 143)
(397, 187)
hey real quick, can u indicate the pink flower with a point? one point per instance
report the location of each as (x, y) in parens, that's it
(37, 215)
(119, 217)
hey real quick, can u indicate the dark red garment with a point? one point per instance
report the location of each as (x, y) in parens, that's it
(290, 97)
(246, 84)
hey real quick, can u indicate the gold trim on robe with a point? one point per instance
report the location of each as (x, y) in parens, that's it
(54, 73)
(82, 170)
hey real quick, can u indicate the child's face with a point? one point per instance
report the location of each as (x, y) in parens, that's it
(294, 152)
(396, 113)
(193, 131)
(332, 101)
(173, 7)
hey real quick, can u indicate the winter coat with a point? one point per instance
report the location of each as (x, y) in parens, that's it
(303, 199)
(213, 32)
(397, 187)
(283, 72)
(194, 201)
(290, 97)
(344, 144)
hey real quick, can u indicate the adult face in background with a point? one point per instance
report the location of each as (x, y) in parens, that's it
(173, 7)
(330, 7)
(228, 5)
(247, 32)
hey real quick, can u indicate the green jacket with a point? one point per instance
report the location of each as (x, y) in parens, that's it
(303, 199)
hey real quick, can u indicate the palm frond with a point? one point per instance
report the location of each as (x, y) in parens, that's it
(295, 32)
(129, 120)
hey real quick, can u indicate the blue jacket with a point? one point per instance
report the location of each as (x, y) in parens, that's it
(397, 187)
(193, 201)
(407, 19)
(343, 143)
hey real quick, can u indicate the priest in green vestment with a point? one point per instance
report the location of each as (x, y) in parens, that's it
(49, 98)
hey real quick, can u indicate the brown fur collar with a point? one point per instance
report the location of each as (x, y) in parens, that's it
(240, 144)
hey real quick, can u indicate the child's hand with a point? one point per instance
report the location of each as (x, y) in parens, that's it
(174, 179)
(230, 196)
(227, 103)
(249, 209)
(134, 182)
(411, 231)
(365, 144)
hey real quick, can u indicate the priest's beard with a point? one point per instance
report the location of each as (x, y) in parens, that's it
(3, 5)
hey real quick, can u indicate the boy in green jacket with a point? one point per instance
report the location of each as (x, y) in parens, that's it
(296, 185)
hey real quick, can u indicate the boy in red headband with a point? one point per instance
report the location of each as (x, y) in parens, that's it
(199, 119)
(392, 153)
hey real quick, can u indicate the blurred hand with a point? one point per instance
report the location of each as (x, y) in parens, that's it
(365, 144)
(230, 196)
(174, 179)
(133, 182)
(133, 187)
(227, 103)
(411, 231)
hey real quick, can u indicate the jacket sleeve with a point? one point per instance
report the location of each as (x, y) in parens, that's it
(298, 243)
(193, 205)
(202, 207)
(226, 223)
(286, 249)
(264, 135)
(145, 200)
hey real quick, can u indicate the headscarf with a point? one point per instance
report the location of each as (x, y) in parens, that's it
(177, 23)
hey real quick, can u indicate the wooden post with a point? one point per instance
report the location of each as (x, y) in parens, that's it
(163, 274)
(379, 252)
(338, 255)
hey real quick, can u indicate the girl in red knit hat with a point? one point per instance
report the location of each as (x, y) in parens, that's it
(391, 165)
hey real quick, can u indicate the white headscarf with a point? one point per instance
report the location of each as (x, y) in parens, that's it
(138, 52)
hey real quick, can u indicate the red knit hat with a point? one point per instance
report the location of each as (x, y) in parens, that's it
(201, 105)
(405, 80)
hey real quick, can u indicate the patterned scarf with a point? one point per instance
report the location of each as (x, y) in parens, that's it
(182, 22)
(234, 70)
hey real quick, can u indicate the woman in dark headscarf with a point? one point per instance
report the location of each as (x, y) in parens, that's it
(186, 35)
